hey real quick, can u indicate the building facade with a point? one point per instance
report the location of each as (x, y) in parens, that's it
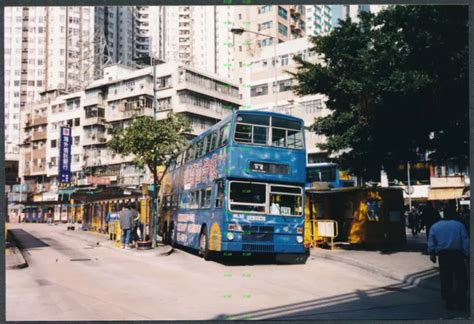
(281, 23)
(318, 19)
(108, 103)
(45, 48)
(264, 93)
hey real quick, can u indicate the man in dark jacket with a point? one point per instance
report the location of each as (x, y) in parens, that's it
(126, 224)
(429, 216)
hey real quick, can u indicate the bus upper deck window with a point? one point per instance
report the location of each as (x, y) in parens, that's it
(223, 135)
(213, 141)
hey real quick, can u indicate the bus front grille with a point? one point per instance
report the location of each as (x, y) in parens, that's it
(257, 247)
(257, 233)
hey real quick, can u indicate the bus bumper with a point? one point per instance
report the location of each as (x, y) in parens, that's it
(263, 248)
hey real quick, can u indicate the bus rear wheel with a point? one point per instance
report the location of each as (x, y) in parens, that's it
(204, 245)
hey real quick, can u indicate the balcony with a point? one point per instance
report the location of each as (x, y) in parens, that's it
(40, 168)
(27, 171)
(212, 112)
(95, 139)
(93, 121)
(39, 153)
(39, 136)
(447, 182)
(130, 114)
(40, 120)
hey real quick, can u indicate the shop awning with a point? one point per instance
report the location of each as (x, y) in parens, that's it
(445, 193)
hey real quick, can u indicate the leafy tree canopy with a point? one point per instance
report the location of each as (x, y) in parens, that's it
(397, 85)
(151, 142)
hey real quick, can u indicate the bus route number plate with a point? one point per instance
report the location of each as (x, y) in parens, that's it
(274, 168)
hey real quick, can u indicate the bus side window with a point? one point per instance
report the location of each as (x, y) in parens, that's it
(207, 141)
(205, 199)
(224, 135)
(219, 194)
(190, 153)
(213, 141)
(198, 149)
(194, 200)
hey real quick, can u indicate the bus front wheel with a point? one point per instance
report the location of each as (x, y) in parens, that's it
(204, 245)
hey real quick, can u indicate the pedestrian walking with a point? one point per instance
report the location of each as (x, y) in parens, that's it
(413, 220)
(449, 241)
(126, 224)
(429, 216)
(137, 228)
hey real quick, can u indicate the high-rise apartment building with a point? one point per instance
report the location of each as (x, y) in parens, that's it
(45, 48)
(198, 36)
(281, 23)
(318, 19)
(353, 11)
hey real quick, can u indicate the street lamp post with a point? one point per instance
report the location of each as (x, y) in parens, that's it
(240, 31)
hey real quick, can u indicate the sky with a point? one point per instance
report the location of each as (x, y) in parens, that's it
(336, 14)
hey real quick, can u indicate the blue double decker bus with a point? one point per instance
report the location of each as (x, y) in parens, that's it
(239, 188)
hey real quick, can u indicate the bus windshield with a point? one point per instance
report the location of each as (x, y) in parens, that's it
(322, 173)
(282, 200)
(269, 131)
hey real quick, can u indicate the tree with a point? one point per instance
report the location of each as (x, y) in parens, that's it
(397, 85)
(151, 142)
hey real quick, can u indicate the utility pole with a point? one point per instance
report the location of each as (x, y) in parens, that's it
(409, 185)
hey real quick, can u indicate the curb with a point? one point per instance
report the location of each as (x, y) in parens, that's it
(375, 270)
(22, 263)
(112, 245)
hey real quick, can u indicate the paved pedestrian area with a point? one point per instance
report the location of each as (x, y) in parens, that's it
(74, 275)
(410, 265)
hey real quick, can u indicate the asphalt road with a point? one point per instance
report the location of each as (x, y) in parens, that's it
(71, 277)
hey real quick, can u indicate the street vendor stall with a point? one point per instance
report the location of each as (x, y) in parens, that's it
(371, 216)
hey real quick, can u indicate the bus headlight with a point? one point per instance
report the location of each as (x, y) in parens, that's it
(230, 236)
(299, 239)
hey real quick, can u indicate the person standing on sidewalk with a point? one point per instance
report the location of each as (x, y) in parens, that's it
(429, 217)
(126, 224)
(449, 241)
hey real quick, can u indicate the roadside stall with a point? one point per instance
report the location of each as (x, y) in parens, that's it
(101, 206)
(363, 216)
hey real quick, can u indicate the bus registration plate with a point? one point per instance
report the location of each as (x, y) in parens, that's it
(256, 218)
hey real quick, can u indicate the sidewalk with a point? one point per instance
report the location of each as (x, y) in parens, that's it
(409, 266)
(14, 259)
(103, 240)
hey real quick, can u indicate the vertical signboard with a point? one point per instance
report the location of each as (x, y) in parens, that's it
(65, 155)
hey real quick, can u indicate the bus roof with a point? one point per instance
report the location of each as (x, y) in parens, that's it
(321, 164)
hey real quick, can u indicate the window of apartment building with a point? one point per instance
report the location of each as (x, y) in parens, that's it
(265, 42)
(313, 106)
(240, 16)
(16, 83)
(284, 60)
(76, 158)
(282, 12)
(265, 25)
(54, 143)
(282, 29)
(164, 103)
(284, 85)
(77, 140)
(52, 161)
(265, 9)
(259, 90)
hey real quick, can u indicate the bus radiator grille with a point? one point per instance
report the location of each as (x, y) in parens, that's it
(257, 247)
(257, 233)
